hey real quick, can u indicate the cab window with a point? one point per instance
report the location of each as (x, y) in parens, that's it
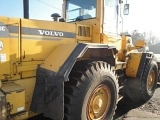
(77, 10)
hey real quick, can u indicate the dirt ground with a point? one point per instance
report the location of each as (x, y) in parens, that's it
(147, 111)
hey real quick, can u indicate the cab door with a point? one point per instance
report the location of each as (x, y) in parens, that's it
(110, 17)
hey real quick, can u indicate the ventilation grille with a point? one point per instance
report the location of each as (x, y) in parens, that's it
(84, 31)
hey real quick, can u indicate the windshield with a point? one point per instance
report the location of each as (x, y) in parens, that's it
(77, 10)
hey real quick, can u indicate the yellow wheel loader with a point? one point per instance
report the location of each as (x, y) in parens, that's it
(76, 67)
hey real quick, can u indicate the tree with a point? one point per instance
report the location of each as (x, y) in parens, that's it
(148, 37)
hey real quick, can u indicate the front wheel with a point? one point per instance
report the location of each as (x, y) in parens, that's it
(149, 80)
(91, 93)
(141, 90)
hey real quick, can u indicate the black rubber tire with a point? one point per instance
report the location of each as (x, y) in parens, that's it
(136, 90)
(84, 78)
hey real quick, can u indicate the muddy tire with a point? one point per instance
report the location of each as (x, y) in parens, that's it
(91, 92)
(142, 90)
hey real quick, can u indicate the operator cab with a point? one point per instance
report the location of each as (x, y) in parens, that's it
(106, 13)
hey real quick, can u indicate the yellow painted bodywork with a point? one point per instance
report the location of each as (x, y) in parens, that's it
(19, 96)
(15, 96)
(25, 49)
(39, 47)
(139, 44)
(112, 41)
(11, 50)
(28, 84)
(57, 58)
(133, 64)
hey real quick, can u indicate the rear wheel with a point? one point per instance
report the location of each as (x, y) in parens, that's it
(142, 90)
(91, 93)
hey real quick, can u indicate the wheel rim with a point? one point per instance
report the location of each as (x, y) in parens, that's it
(151, 80)
(99, 103)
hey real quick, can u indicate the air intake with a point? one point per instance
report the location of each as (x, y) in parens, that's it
(84, 31)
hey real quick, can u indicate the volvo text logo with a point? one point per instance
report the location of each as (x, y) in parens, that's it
(51, 33)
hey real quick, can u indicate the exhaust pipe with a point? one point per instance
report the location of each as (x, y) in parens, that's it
(26, 9)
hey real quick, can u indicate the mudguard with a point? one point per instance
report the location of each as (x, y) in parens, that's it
(48, 97)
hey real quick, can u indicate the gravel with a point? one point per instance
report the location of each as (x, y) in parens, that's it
(147, 111)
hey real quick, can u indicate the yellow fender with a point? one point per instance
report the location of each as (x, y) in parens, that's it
(136, 63)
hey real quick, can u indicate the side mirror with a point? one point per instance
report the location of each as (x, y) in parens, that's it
(126, 9)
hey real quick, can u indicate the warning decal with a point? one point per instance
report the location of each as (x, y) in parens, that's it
(2, 57)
